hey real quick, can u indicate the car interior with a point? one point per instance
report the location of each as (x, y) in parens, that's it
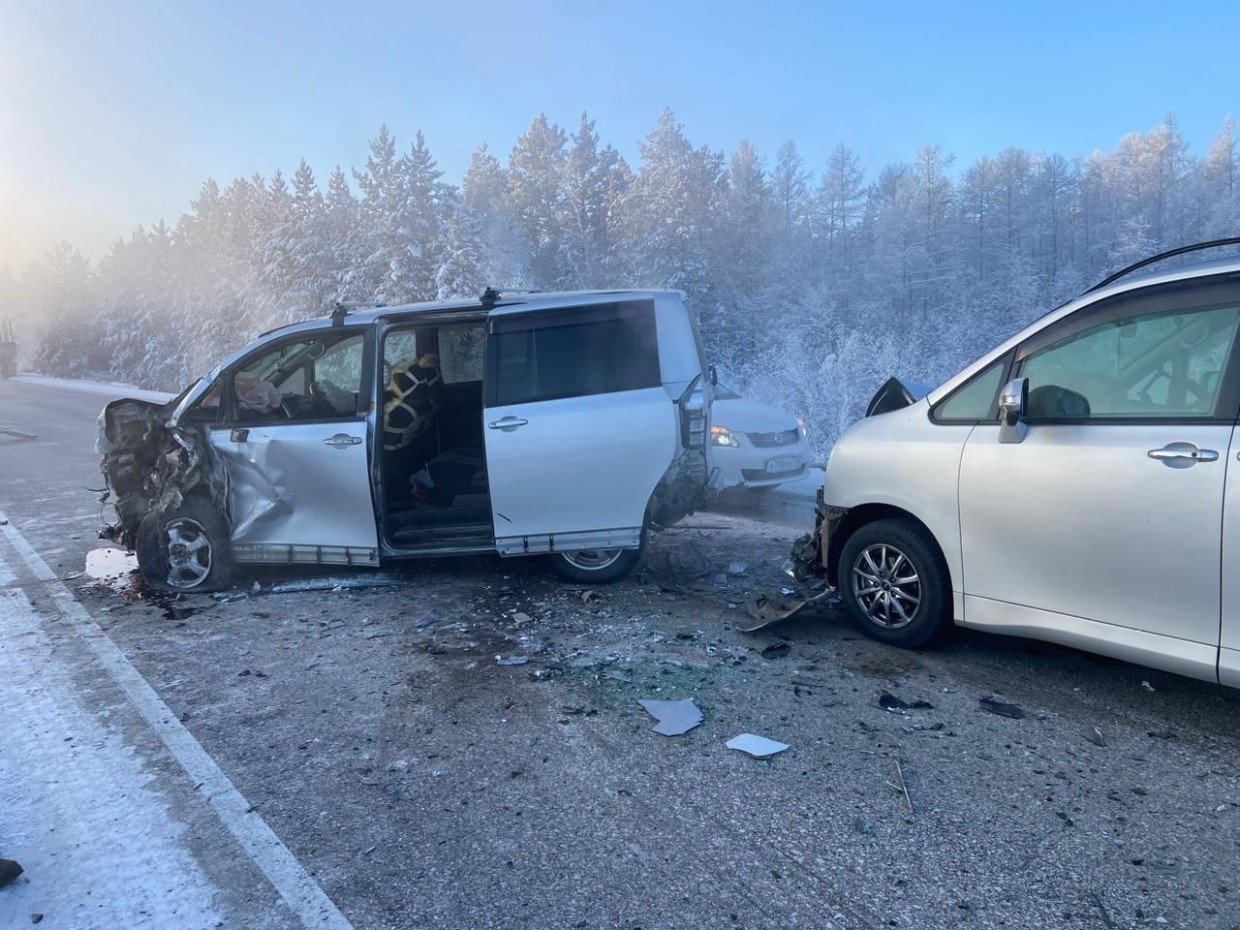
(433, 461)
(1159, 366)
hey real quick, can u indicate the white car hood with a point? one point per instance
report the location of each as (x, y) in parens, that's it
(750, 416)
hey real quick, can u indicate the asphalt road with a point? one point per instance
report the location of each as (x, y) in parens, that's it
(357, 757)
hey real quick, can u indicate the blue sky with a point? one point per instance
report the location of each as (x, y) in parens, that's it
(112, 115)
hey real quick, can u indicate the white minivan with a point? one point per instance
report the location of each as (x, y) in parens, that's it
(561, 424)
(1073, 485)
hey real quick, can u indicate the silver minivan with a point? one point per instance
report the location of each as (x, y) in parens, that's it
(520, 423)
(1074, 485)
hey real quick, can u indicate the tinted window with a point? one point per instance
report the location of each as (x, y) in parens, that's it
(1158, 366)
(975, 400)
(595, 350)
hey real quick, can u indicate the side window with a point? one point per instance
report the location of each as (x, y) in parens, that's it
(975, 400)
(316, 378)
(573, 353)
(1160, 366)
(207, 408)
(461, 348)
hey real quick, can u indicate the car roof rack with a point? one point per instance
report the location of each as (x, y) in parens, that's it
(343, 308)
(491, 296)
(1197, 247)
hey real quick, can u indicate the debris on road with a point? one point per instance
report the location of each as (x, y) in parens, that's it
(1106, 915)
(757, 746)
(768, 608)
(9, 870)
(675, 717)
(512, 660)
(591, 598)
(888, 701)
(738, 568)
(775, 650)
(686, 562)
(901, 786)
(995, 706)
(1094, 735)
(336, 583)
(16, 434)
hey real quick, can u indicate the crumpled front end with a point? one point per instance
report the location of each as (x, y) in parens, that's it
(150, 466)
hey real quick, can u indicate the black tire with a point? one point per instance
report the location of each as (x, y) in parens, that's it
(905, 608)
(185, 550)
(598, 566)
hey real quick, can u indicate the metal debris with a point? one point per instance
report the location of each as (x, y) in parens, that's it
(768, 608)
(757, 746)
(675, 717)
(738, 568)
(995, 706)
(1094, 735)
(375, 580)
(888, 701)
(512, 660)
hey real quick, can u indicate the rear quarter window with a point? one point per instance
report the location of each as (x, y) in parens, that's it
(577, 352)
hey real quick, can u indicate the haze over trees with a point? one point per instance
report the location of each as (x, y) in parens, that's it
(813, 283)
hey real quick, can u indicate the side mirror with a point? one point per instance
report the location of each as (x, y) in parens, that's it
(1013, 401)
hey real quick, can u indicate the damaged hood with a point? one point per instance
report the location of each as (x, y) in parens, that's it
(895, 394)
(150, 464)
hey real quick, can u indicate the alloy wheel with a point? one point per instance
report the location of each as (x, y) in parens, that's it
(886, 585)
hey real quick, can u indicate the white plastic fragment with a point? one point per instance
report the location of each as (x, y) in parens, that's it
(675, 717)
(757, 746)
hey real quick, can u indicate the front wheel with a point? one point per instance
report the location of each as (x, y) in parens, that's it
(184, 550)
(893, 579)
(597, 566)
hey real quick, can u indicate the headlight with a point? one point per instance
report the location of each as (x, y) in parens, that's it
(722, 436)
(801, 427)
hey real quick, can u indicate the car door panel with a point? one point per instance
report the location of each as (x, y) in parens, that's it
(552, 476)
(579, 428)
(1079, 521)
(296, 449)
(300, 492)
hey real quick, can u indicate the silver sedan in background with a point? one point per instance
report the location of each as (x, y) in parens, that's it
(755, 445)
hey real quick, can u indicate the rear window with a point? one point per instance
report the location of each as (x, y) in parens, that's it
(573, 353)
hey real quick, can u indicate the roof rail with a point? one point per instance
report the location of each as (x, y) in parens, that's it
(343, 308)
(1200, 246)
(491, 296)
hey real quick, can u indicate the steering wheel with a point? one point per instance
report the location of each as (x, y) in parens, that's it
(301, 407)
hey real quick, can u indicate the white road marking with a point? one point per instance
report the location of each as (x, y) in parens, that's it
(98, 846)
(301, 892)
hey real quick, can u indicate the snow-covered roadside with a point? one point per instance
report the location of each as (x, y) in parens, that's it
(98, 847)
(96, 387)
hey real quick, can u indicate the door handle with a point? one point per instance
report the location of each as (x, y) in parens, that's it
(340, 440)
(1182, 455)
(239, 435)
(507, 424)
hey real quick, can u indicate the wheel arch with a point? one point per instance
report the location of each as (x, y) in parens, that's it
(862, 515)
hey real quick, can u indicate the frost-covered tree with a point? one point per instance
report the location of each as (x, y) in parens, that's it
(536, 169)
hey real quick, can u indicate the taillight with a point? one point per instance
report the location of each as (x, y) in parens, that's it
(693, 416)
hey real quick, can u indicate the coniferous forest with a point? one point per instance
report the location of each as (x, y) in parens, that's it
(812, 282)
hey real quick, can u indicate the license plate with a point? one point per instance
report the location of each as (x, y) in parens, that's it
(785, 463)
